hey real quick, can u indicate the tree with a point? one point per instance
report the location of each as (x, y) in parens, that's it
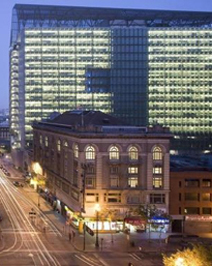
(147, 212)
(198, 255)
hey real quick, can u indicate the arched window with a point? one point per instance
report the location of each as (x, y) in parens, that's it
(65, 143)
(133, 153)
(41, 139)
(114, 153)
(90, 153)
(157, 153)
(76, 151)
(59, 145)
(46, 141)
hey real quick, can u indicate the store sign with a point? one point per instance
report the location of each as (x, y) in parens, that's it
(198, 218)
(159, 220)
(134, 221)
(89, 230)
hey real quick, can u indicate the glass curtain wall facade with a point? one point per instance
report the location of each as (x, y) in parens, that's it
(144, 66)
(64, 69)
(180, 82)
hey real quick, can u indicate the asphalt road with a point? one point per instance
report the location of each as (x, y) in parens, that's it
(29, 238)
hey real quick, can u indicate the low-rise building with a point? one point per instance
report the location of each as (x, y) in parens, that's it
(191, 199)
(91, 158)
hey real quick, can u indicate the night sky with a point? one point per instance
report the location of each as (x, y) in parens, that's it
(6, 15)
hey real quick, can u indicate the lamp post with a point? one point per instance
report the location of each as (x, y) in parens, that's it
(97, 209)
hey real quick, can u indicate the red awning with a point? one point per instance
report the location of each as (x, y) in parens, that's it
(134, 220)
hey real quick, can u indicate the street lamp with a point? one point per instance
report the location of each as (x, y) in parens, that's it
(97, 209)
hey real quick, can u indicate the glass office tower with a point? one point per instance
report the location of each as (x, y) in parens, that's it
(180, 80)
(144, 66)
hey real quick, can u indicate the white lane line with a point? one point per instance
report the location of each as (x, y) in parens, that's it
(84, 260)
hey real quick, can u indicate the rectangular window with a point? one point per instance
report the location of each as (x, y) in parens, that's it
(192, 183)
(206, 183)
(114, 181)
(191, 210)
(192, 196)
(112, 197)
(133, 199)
(90, 170)
(206, 210)
(114, 170)
(206, 196)
(157, 198)
(132, 170)
(90, 197)
(65, 188)
(75, 195)
(157, 170)
(157, 182)
(133, 181)
(90, 182)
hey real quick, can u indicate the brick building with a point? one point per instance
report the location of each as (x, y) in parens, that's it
(90, 157)
(191, 199)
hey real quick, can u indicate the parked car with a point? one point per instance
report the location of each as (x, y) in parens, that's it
(17, 184)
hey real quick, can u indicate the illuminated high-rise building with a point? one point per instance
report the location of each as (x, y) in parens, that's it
(144, 66)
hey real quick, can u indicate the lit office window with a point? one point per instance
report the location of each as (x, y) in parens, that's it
(90, 153)
(132, 181)
(133, 153)
(132, 170)
(157, 153)
(46, 141)
(114, 153)
(76, 151)
(59, 145)
(65, 143)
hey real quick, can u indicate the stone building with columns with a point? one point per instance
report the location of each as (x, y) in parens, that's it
(89, 158)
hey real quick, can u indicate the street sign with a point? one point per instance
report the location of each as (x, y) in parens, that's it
(89, 230)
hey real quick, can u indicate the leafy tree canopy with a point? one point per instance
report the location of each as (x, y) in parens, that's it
(198, 255)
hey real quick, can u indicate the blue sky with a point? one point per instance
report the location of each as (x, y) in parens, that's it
(6, 14)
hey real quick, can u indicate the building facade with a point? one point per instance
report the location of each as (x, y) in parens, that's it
(119, 167)
(191, 200)
(144, 66)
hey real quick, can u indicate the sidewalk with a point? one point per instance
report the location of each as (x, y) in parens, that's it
(116, 242)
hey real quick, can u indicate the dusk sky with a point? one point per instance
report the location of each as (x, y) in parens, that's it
(6, 14)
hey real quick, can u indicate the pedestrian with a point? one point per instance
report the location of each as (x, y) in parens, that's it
(69, 236)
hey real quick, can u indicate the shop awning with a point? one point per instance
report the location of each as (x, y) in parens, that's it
(134, 220)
